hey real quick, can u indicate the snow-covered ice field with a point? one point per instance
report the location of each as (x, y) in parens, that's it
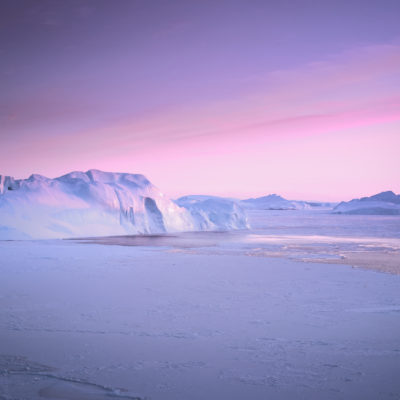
(270, 313)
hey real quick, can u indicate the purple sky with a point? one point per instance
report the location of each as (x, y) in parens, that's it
(238, 98)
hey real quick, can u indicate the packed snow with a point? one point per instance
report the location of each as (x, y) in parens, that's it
(204, 315)
(96, 203)
(385, 203)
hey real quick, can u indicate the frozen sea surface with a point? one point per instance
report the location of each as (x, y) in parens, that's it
(199, 317)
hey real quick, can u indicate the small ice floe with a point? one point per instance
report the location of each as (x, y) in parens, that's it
(322, 256)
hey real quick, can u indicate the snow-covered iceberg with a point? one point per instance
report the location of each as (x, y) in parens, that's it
(214, 212)
(270, 202)
(96, 203)
(385, 203)
(276, 202)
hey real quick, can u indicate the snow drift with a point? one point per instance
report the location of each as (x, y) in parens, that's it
(385, 203)
(96, 203)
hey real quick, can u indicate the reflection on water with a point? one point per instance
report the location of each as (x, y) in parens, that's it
(367, 241)
(324, 223)
(278, 227)
(181, 240)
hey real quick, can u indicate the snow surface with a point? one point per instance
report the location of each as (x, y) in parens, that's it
(89, 321)
(96, 203)
(276, 202)
(385, 203)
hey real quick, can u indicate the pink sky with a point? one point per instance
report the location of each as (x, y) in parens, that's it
(325, 130)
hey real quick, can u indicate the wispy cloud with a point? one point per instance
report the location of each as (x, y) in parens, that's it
(314, 116)
(351, 89)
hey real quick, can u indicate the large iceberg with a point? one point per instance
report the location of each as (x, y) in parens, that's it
(96, 203)
(385, 203)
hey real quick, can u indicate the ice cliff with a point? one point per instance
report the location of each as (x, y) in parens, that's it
(214, 211)
(96, 203)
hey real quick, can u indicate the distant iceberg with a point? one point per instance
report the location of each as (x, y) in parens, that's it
(276, 202)
(97, 203)
(385, 203)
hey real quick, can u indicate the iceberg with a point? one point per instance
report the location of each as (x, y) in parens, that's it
(385, 203)
(97, 203)
(276, 202)
(214, 213)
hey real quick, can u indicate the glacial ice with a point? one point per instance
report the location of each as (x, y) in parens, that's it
(276, 202)
(385, 203)
(97, 203)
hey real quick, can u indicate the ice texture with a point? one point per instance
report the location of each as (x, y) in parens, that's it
(276, 202)
(385, 203)
(97, 203)
(214, 212)
(203, 315)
